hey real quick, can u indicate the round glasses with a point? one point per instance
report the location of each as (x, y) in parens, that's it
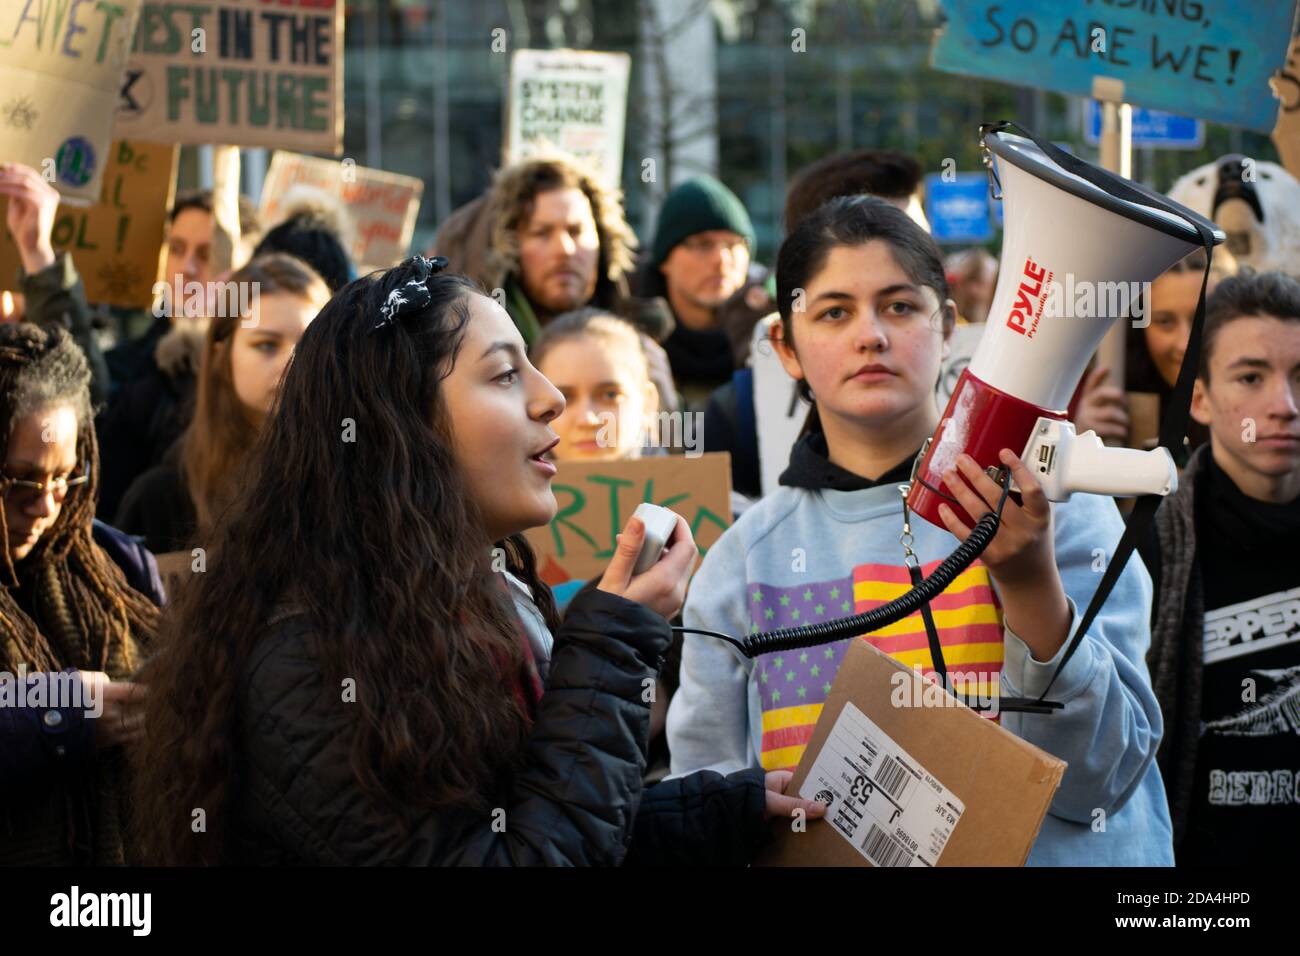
(23, 491)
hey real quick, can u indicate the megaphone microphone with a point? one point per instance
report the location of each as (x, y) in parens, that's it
(1075, 259)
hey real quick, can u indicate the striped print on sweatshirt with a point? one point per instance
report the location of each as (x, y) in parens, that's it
(793, 685)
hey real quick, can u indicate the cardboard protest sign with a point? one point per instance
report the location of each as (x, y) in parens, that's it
(912, 777)
(779, 412)
(117, 243)
(569, 100)
(382, 206)
(1210, 59)
(175, 568)
(1286, 87)
(236, 72)
(597, 498)
(60, 66)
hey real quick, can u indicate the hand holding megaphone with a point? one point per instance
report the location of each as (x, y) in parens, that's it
(1022, 548)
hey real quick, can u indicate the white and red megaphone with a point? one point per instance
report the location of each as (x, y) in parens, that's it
(1074, 260)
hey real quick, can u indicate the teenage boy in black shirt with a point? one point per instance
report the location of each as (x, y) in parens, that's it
(1225, 560)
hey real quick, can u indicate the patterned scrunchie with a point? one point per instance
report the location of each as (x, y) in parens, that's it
(411, 295)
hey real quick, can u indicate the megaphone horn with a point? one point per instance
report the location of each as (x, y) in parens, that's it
(1074, 260)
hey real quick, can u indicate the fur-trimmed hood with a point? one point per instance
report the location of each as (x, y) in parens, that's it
(180, 351)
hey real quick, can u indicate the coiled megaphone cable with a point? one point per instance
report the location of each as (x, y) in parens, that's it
(794, 638)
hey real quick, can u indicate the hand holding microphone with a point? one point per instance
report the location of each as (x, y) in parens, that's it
(653, 561)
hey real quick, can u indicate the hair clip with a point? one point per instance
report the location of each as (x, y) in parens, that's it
(411, 295)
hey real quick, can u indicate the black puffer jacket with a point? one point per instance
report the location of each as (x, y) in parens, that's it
(575, 802)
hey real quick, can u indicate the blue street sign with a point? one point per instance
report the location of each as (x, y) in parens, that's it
(958, 210)
(1150, 128)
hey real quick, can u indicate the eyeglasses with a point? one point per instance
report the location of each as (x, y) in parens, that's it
(21, 490)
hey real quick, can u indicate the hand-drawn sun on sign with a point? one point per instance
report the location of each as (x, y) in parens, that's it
(120, 279)
(19, 113)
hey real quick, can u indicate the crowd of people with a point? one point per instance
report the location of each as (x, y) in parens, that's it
(360, 663)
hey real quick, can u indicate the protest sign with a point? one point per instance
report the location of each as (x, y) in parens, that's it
(175, 568)
(1211, 58)
(597, 498)
(60, 66)
(382, 206)
(572, 101)
(115, 244)
(1286, 87)
(779, 412)
(236, 72)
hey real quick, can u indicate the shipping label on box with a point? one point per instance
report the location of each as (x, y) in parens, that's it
(894, 811)
(912, 777)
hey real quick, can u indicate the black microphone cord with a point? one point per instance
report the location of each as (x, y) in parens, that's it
(793, 638)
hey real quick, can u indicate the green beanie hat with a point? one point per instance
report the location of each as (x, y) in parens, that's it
(699, 205)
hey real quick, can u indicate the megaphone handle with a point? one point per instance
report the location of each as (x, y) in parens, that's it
(1092, 467)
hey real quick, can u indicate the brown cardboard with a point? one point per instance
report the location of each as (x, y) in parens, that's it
(175, 568)
(382, 205)
(116, 244)
(1005, 783)
(596, 498)
(1144, 419)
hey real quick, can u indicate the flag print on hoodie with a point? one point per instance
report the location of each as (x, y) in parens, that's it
(793, 685)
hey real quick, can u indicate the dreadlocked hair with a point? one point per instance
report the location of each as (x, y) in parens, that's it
(90, 617)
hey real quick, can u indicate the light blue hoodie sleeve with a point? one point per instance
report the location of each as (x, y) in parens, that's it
(708, 717)
(1110, 727)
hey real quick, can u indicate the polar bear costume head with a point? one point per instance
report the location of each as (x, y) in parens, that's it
(1257, 204)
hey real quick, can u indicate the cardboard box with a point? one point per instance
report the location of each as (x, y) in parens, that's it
(915, 778)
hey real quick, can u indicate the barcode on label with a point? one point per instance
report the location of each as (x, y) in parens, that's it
(882, 850)
(891, 777)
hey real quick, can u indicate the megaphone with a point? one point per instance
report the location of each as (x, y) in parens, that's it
(1074, 260)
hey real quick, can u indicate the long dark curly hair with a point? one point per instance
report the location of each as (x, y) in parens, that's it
(355, 511)
(90, 618)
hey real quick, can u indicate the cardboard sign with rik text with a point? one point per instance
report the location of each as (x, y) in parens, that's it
(597, 498)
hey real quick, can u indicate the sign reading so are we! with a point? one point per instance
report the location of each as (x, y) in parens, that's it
(1206, 58)
(240, 72)
(60, 66)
